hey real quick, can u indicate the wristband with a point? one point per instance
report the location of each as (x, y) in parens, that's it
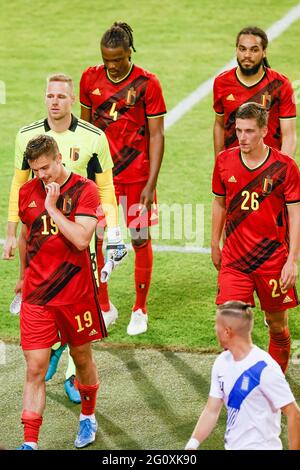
(192, 444)
(114, 236)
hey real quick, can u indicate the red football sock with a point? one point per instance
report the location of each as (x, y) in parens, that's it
(280, 347)
(32, 422)
(103, 291)
(88, 394)
(142, 272)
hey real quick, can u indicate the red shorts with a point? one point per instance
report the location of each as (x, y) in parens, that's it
(235, 285)
(43, 325)
(128, 196)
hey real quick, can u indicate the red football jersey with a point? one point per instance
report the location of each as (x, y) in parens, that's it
(56, 273)
(121, 110)
(273, 91)
(256, 215)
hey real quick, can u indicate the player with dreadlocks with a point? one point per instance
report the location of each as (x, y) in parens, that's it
(127, 103)
(254, 81)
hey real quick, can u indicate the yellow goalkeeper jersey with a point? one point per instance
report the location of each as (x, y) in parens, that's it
(84, 147)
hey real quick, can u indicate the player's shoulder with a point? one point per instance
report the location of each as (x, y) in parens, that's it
(230, 153)
(225, 76)
(275, 75)
(223, 359)
(88, 128)
(30, 185)
(261, 356)
(82, 181)
(93, 70)
(282, 156)
(34, 127)
(140, 71)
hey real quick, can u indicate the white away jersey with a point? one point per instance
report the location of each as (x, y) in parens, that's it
(253, 390)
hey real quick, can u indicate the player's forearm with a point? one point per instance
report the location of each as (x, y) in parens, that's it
(20, 177)
(22, 253)
(218, 138)
(218, 220)
(293, 419)
(288, 136)
(76, 233)
(205, 425)
(294, 232)
(156, 152)
(108, 200)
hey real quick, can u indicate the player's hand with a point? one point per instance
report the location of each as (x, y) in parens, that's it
(116, 252)
(216, 256)
(146, 198)
(19, 286)
(53, 193)
(10, 246)
(289, 274)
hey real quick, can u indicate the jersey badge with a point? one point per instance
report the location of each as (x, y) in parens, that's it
(266, 100)
(96, 92)
(230, 97)
(32, 204)
(74, 153)
(245, 383)
(67, 205)
(131, 97)
(268, 185)
(232, 179)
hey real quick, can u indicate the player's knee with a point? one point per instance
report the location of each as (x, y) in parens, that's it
(36, 371)
(139, 236)
(81, 356)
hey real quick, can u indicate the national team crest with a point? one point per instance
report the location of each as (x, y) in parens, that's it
(267, 185)
(131, 97)
(266, 100)
(67, 205)
(74, 154)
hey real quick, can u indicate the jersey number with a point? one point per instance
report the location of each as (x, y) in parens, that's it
(252, 198)
(113, 112)
(88, 321)
(53, 227)
(276, 288)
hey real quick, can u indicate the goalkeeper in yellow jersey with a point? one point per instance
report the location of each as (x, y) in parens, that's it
(85, 151)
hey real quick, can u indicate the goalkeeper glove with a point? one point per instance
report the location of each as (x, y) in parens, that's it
(116, 251)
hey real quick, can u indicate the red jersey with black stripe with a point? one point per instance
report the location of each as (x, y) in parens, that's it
(122, 109)
(257, 234)
(56, 273)
(274, 91)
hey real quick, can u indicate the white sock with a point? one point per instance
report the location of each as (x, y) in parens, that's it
(32, 444)
(90, 417)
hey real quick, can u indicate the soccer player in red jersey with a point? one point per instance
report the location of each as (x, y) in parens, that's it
(127, 103)
(253, 80)
(257, 191)
(59, 295)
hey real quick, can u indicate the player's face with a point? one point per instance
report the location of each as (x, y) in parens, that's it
(47, 168)
(249, 135)
(116, 61)
(59, 100)
(249, 54)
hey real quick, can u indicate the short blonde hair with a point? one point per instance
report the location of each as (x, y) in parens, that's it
(61, 77)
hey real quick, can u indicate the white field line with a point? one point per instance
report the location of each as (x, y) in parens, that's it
(169, 248)
(206, 87)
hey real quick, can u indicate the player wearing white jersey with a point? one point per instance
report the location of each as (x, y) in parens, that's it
(252, 387)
